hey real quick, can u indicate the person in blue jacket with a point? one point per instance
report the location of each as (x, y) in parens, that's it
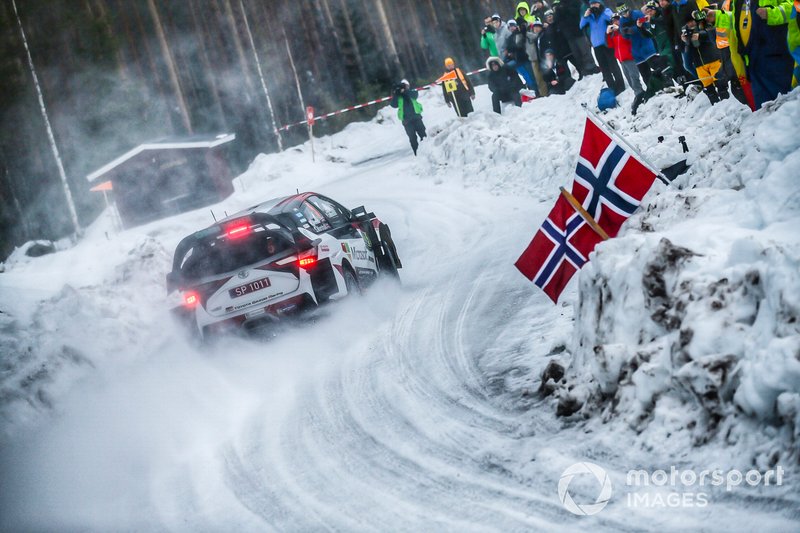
(635, 27)
(597, 17)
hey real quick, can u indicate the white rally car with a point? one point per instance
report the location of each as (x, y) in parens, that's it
(277, 259)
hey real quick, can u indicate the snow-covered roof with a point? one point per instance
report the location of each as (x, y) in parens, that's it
(168, 143)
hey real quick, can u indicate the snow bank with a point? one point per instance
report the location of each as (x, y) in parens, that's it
(690, 321)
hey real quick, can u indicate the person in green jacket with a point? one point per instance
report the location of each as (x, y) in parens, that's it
(409, 111)
(793, 37)
(487, 37)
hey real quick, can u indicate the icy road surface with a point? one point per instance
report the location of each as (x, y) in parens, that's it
(411, 408)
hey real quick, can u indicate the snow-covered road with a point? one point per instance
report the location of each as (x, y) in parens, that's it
(413, 407)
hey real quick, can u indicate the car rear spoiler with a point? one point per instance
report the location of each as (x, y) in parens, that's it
(360, 214)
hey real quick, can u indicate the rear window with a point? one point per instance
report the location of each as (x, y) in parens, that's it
(221, 255)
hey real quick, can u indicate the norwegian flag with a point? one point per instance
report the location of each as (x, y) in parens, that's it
(609, 181)
(558, 250)
(610, 184)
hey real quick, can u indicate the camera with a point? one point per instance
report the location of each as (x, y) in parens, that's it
(642, 20)
(488, 28)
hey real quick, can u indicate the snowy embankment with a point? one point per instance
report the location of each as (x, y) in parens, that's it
(679, 338)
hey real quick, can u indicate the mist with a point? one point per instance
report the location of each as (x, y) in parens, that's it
(110, 83)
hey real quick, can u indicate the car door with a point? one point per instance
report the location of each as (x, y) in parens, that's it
(353, 241)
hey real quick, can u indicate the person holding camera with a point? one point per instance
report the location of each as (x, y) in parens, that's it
(409, 111)
(517, 47)
(702, 48)
(634, 26)
(488, 41)
(597, 18)
(623, 52)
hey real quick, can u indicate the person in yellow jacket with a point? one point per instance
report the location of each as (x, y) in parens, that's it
(762, 28)
(728, 44)
(723, 44)
(793, 37)
(456, 88)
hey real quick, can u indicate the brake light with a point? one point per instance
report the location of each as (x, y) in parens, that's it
(308, 258)
(238, 230)
(191, 299)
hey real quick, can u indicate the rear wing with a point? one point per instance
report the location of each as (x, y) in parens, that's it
(360, 214)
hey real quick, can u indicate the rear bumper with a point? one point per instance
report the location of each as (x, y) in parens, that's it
(256, 321)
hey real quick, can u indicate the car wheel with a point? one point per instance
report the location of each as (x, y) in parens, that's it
(350, 282)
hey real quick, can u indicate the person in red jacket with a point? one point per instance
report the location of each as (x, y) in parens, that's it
(624, 54)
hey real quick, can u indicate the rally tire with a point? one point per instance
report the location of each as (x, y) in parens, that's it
(350, 281)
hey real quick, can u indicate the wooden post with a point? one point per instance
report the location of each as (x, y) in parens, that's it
(584, 214)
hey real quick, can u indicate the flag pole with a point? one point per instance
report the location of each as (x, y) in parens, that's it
(613, 133)
(584, 214)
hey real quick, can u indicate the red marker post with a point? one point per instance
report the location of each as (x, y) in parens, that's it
(310, 122)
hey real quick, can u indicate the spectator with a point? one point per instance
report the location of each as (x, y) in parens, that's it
(732, 63)
(634, 26)
(535, 52)
(567, 12)
(622, 52)
(504, 83)
(596, 18)
(523, 16)
(680, 10)
(538, 9)
(702, 48)
(487, 37)
(657, 20)
(794, 41)
(680, 74)
(762, 27)
(553, 39)
(501, 33)
(409, 111)
(556, 75)
(517, 54)
(463, 95)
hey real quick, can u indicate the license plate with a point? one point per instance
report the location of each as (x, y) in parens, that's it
(253, 286)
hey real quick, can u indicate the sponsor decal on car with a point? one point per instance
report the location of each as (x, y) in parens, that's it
(346, 248)
(324, 248)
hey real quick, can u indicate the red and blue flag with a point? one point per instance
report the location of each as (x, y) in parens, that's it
(609, 183)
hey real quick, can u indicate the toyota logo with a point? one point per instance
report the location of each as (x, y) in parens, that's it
(243, 274)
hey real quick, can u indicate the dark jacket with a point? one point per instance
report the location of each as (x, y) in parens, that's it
(568, 12)
(767, 36)
(464, 92)
(559, 73)
(679, 11)
(515, 47)
(505, 81)
(704, 50)
(553, 39)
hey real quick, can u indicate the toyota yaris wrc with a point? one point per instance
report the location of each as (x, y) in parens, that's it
(277, 259)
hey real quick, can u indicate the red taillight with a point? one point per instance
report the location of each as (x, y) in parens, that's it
(306, 262)
(238, 230)
(191, 299)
